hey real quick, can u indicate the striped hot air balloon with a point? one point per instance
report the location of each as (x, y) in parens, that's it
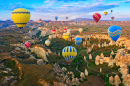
(69, 53)
(20, 17)
(114, 32)
(96, 16)
(27, 45)
(66, 17)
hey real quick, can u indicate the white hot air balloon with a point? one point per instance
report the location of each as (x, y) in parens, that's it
(80, 30)
(47, 42)
(50, 37)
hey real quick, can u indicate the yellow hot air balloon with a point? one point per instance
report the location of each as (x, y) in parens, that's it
(105, 12)
(50, 37)
(66, 36)
(20, 17)
(80, 30)
(47, 42)
(69, 53)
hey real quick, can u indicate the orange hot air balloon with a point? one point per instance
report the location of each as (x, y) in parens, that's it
(66, 17)
(27, 44)
(54, 31)
(96, 16)
(65, 30)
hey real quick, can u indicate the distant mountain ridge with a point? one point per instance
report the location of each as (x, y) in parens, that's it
(84, 19)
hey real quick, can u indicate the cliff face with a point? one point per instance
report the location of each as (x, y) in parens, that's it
(40, 52)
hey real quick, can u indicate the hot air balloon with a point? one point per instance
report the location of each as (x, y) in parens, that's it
(20, 17)
(80, 30)
(78, 40)
(96, 16)
(111, 11)
(114, 32)
(69, 53)
(66, 17)
(50, 36)
(47, 42)
(66, 36)
(54, 31)
(68, 32)
(27, 44)
(105, 12)
(112, 18)
(56, 18)
(65, 30)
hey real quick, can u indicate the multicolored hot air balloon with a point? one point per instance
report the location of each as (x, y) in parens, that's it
(112, 18)
(66, 17)
(69, 53)
(20, 17)
(65, 30)
(96, 16)
(56, 18)
(50, 37)
(114, 32)
(66, 36)
(78, 40)
(80, 30)
(111, 11)
(105, 12)
(54, 31)
(47, 42)
(27, 44)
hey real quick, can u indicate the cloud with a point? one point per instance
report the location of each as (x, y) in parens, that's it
(47, 1)
(13, 6)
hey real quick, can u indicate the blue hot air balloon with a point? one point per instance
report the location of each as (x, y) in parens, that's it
(78, 40)
(56, 18)
(111, 11)
(114, 32)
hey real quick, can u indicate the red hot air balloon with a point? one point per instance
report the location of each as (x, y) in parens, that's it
(54, 31)
(96, 16)
(27, 44)
(112, 18)
(65, 30)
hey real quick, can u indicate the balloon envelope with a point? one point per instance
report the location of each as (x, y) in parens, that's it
(66, 17)
(53, 31)
(69, 53)
(20, 17)
(65, 30)
(47, 42)
(114, 32)
(56, 18)
(80, 30)
(66, 36)
(50, 36)
(78, 40)
(96, 16)
(105, 12)
(27, 44)
(111, 11)
(112, 18)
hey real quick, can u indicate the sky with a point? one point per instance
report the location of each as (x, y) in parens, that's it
(48, 9)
